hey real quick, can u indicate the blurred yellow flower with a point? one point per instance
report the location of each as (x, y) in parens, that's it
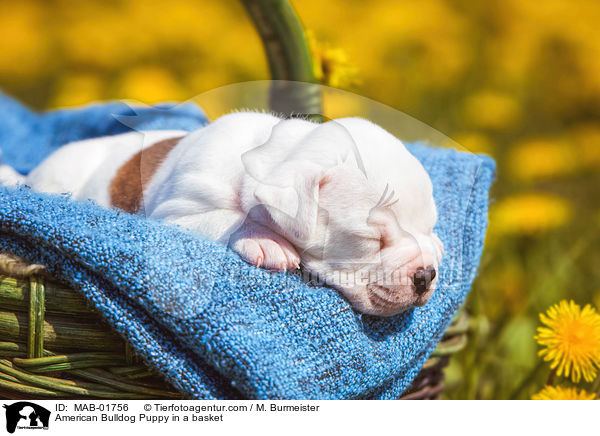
(536, 159)
(571, 339)
(97, 37)
(330, 64)
(25, 44)
(77, 89)
(528, 214)
(150, 85)
(558, 393)
(338, 104)
(475, 142)
(491, 110)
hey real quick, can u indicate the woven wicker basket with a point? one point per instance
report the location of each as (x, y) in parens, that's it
(54, 346)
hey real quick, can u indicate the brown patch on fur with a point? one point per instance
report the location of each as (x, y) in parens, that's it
(127, 187)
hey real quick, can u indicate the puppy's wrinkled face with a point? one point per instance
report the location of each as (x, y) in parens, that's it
(357, 207)
(381, 253)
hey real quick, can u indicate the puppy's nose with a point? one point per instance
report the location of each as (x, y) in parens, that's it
(423, 278)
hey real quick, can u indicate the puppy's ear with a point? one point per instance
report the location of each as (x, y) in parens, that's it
(384, 220)
(291, 197)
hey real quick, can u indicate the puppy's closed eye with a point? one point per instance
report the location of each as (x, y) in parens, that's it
(384, 221)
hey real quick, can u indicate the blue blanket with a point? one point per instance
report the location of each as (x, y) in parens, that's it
(214, 326)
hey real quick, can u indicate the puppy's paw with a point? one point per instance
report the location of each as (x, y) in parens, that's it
(9, 177)
(263, 248)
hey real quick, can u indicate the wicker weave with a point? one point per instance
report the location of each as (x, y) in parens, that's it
(57, 347)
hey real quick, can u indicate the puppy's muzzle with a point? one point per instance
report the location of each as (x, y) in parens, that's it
(390, 300)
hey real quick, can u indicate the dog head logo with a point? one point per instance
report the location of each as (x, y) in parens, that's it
(26, 415)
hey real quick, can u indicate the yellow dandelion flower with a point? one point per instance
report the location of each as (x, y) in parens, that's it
(330, 64)
(26, 40)
(475, 142)
(529, 214)
(541, 159)
(339, 104)
(150, 85)
(492, 110)
(77, 89)
(572, 340)
(558, 393)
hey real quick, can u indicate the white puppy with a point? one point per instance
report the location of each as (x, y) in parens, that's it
(344, 198)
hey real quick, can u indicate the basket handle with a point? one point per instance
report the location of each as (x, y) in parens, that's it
(289, 58)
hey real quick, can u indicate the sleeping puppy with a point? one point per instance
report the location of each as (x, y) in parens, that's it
(344, 199)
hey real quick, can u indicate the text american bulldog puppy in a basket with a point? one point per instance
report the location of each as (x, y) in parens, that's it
(344, 199)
